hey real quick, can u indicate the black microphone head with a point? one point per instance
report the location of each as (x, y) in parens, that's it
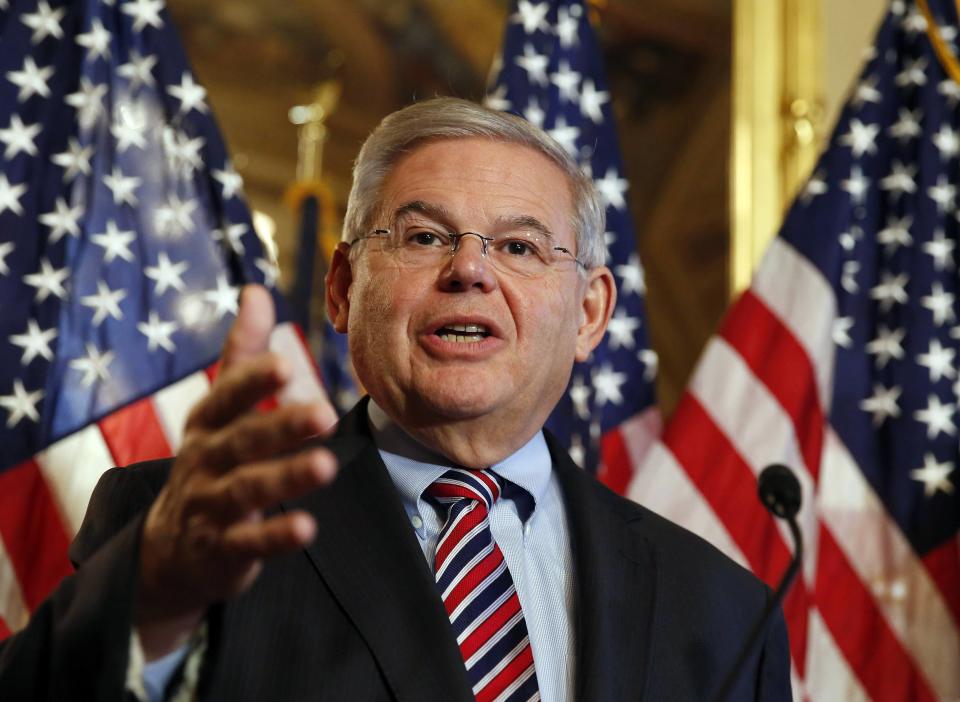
(779, 490)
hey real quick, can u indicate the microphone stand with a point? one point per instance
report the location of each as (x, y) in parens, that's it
(781, 495)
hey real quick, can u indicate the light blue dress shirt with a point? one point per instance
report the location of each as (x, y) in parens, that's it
(537, 551)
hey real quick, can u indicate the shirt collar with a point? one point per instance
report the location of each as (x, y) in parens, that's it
(413, 467)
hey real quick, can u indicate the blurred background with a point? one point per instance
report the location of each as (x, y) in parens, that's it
(674, 75)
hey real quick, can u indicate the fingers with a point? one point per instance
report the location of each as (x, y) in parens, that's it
(204, 537)
(249, 372)
(240, 387)
(258, 436)
(258, 486)
(279, 534)
(250, 334)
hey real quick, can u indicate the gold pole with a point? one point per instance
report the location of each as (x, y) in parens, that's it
(755, 174)
(312, 133)
(777, 83)
(946, 58)
(803, 86)
(310, 119)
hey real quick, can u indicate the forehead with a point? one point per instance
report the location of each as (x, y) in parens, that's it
(479, 180)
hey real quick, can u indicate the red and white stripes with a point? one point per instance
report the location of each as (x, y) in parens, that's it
(868, 619)
(478, 591)
(43, 500)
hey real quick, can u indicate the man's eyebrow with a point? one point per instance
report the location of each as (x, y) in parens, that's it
(524, 222)
(438, 213)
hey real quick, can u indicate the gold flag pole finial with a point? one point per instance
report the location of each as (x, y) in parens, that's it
(940, 48)
(311, 119)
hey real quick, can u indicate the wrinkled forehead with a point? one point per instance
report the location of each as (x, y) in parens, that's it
(479, 180)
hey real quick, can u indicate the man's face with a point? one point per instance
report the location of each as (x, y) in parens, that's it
(401, 319)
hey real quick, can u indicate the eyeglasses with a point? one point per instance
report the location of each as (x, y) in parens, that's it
(524, 253)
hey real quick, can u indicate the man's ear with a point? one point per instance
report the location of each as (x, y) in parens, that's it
(597, 308)
(339, 279)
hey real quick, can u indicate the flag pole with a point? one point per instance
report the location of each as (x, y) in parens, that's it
(947, 60)
(310, 198)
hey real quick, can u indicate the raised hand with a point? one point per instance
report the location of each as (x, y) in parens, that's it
(206, 535)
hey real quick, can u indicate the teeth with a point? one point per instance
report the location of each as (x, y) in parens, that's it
(468, 328)
(460, 339)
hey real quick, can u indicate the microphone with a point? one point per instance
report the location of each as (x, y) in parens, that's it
(779, 491)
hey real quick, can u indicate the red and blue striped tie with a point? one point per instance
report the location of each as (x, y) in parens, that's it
(478, 591)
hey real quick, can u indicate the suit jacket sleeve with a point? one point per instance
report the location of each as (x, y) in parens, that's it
(76, 644)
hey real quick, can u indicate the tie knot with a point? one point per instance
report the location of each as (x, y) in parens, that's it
(482, 486)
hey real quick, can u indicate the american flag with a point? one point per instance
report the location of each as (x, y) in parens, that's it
(550, 72)
(841, 361)
(123, 240)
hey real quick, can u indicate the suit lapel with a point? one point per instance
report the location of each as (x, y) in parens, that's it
(616, 581)
(368, 555)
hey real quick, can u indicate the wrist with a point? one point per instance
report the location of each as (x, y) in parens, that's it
(160, 637)
(164, 616)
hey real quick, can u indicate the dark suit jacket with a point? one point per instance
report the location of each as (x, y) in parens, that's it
(660, 614)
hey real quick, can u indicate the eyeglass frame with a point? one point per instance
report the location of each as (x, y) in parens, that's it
(456, 237)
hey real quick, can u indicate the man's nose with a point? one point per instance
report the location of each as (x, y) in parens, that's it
(468, 267)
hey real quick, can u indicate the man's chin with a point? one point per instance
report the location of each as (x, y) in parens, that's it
(457, 406)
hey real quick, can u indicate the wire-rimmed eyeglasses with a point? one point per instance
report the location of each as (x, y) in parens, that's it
(519, 252)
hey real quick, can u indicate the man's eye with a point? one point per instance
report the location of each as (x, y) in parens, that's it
(424, 238)
(519, 247)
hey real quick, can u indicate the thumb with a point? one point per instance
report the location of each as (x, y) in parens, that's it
(250, 334)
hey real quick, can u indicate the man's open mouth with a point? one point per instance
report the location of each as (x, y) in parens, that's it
(463, 333)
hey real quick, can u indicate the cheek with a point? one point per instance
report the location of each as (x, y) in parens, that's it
(382, 300)
(371, 297)
(371, 333)
(548, 334)
(547, 318)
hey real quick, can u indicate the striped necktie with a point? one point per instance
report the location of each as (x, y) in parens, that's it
(478, 592)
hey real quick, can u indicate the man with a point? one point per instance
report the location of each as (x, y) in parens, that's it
(441, 546)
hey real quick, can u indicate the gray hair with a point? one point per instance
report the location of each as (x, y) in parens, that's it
(452, 118)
